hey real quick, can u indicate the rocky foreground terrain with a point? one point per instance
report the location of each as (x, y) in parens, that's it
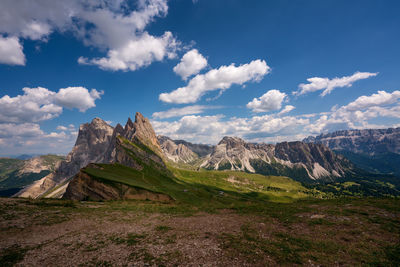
(341, 232)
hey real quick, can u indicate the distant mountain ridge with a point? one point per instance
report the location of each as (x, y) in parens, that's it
(295, 159)
(183, 151)
(368, 141)
(17, 173)
(298, 160)
(374, 150)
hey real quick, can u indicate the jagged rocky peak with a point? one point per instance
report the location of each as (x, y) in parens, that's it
(96, 131)
(316, 157)
(99, 123)
(98, 142)
(142, 130)
(310, 161)
(119, 129)
(235, 154)
(93, 140)
(200, 149)
(232, 141)
(176, 152)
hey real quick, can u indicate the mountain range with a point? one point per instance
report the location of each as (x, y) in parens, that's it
(304, 161)
(102, 149)
(374, 150)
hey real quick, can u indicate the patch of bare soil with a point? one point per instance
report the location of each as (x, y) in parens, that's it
(102, 234)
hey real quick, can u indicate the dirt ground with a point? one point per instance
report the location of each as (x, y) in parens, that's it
(59, 233)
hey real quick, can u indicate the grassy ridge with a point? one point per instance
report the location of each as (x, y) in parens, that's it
(195, 187)
(199, 187)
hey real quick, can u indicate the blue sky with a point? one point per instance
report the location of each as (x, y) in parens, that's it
(266, 71)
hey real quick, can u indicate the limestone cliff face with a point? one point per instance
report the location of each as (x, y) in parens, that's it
(85, 187)
(143, 132)
(319, 160)
(99, 142)
(294, 159)
(40, 163)
(135, 146)
(235, 154)
(93, 139)
(140, 140)
(176, 152)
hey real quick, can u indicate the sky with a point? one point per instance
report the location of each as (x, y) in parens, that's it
(265, 71)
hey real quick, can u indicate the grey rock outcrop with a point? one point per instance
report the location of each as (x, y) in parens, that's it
(93, 139)
(98, 142)
(176, 152)
(314, 161)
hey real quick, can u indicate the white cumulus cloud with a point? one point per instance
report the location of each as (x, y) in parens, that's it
(137, 53)
(77, 97)
(271, 100)
(359, 113)
(211, 129)
(18, 138)
(217, 79)
(362, 113)
(39, 104)
(21, 130)
(11, 51)
(328, 85)
(191, 63)
(381, 98)
(286, 109)
(179, 112)
(112, 26)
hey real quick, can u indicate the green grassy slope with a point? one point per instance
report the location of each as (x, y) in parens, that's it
(192, 186)
(201, 187)
(8, 166)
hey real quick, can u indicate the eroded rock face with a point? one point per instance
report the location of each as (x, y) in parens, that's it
(235, 154)
(314, 161)
(140, 139)
(201, 150)
(84, 187)
(142, 131)
(318, 159)
(38, 164)
(370, 141)
(99, 142)
(176, 152)
(93, 139)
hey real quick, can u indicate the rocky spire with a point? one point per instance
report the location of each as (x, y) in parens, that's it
(93, 140)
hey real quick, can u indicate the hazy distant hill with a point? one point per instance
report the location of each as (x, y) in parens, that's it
(375, 150)
(17, 173)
